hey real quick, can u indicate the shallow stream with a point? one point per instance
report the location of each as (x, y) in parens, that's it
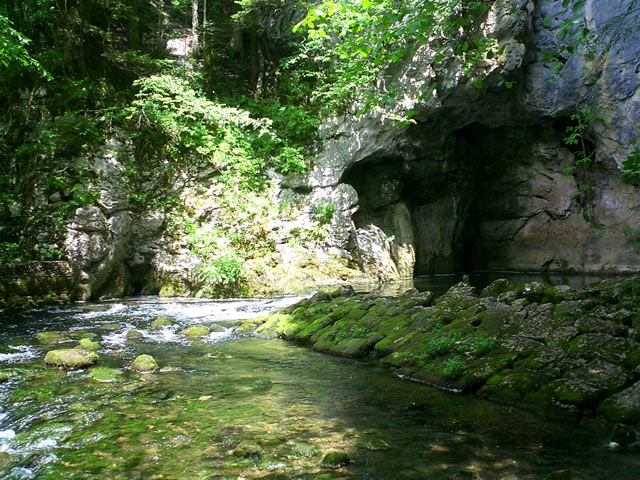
(229, 407)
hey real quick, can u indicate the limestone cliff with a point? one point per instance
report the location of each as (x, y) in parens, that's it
(479, 181)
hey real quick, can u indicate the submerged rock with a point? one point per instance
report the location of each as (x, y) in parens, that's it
(51, 338)
(110, 327)
(160, 322)
(144, 364)
(197, 331)
(88, 345)
(105, 374)
(247, 449)
(134, 335)
(303, 450)
(336, 460)
(70, 359)
(215, 328)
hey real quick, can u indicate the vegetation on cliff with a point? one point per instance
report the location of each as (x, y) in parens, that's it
(224, 121)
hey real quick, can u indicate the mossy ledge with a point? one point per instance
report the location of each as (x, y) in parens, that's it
(569, 352)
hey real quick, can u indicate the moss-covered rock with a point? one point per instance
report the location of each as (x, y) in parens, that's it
(303, 450)
(160, 322)
(51, 338)
(4, 377)
(134, 334)
(623, 406)
(88, 345)
(105, 375)
(336, 460)
(532, 344)
(70, 359)
(197, 331)
(144, 364)
(497, 287)
(247, 449)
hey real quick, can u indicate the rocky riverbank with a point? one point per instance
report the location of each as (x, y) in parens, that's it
(571, 353)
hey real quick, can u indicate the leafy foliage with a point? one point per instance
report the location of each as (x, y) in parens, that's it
(575, 36)
(583, 165)
(225, 271)
(631, 166)
(353, 42)
(13, 48)
(190, 129)
(323, 212)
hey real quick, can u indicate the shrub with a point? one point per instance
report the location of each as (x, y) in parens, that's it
(454, 367)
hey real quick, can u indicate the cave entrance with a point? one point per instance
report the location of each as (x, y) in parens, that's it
(481, 200)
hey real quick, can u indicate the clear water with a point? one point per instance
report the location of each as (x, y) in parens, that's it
(441, 283)
(231, 407)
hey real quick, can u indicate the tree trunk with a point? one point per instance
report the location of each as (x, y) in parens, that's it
(194, 27)
(133, 36)
(204, 25)
(80, 7)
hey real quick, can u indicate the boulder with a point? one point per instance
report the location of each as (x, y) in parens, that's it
(144, 364)
(336, 460)
(160, 322)
(197, 331)
(88, 345)
(70, 359)
(51, 338)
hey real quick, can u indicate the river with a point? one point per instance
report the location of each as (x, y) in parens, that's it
(234, 407)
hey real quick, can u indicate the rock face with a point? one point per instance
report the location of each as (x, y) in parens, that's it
(479, 181)
(566, 351)
(42, 283)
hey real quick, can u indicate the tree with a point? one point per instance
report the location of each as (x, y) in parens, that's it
(194, 27)
(13, 48)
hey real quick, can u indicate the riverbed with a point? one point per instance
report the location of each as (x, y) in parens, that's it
(243, 407)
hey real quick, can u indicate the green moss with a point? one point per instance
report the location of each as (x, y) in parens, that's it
(247, 328)
(88, 345)
(336, 460)
(619, 413)
(51, 338)
(4, 377)
(197, 331)
(160, 322)
(510, 385)
(134, 334)
(247, 449)
(303, 450)
(144, 364)
(307, 331)
(439, 346)
(70, 359)
(280, 324)
(105, 375)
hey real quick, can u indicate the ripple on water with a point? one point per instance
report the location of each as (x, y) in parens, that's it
(23, 352)
(5, 437)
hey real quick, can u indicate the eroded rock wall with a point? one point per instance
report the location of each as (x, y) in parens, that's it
(483, 172)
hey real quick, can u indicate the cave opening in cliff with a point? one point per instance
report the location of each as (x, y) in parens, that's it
(481, 200)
